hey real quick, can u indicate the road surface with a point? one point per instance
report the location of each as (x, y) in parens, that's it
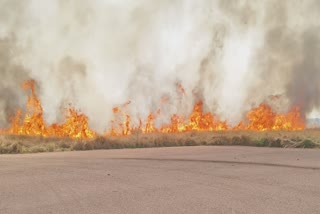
(163, 180)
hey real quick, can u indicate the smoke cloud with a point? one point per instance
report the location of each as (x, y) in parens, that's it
(97, 54)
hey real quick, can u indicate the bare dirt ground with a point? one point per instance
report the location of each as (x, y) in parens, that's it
(163, 180)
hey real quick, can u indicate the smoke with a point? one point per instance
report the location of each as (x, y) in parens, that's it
(11, 75)
(286, 62)
(96, 54)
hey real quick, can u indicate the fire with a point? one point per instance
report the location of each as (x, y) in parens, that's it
(32, 122)
(76, 124)
(197, 121)
(263, 118)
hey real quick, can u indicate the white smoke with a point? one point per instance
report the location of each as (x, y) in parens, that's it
(97, 54)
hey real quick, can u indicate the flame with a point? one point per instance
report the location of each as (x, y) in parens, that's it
(263, 118)
(76, 124)
(180, 89)
(197, 121)
(33, 124)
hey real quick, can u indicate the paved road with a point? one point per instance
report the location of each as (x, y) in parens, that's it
(163, 180)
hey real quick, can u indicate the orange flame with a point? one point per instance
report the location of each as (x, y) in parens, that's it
(76, 124)
(263, 118)
(33, 124)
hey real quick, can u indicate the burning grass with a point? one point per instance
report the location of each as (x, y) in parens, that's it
(30, 133)
(11, 144)
(76, 124)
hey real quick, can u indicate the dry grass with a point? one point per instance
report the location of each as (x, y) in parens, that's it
(298, 139)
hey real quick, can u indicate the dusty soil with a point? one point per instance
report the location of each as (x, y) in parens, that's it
(198, 179)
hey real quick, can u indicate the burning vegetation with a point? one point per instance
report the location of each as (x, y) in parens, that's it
(76, 126)
(32, 122)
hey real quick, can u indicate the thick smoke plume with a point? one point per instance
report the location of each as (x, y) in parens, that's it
(100, 53)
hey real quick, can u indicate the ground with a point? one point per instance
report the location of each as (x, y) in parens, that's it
(289, 139)
(202, 179)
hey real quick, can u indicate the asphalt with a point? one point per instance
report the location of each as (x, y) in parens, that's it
(163, 180)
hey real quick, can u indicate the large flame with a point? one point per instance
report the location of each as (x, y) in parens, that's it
(263, 118)
(32, 123)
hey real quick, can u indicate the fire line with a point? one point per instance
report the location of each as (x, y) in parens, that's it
(76, 124)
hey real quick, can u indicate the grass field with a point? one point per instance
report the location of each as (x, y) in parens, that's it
(298, 139)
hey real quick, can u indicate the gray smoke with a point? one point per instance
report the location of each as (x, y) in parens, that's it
(97, 54)
(12, 76)
(287, 60)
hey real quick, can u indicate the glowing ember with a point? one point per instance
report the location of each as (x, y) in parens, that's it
(32, 123)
